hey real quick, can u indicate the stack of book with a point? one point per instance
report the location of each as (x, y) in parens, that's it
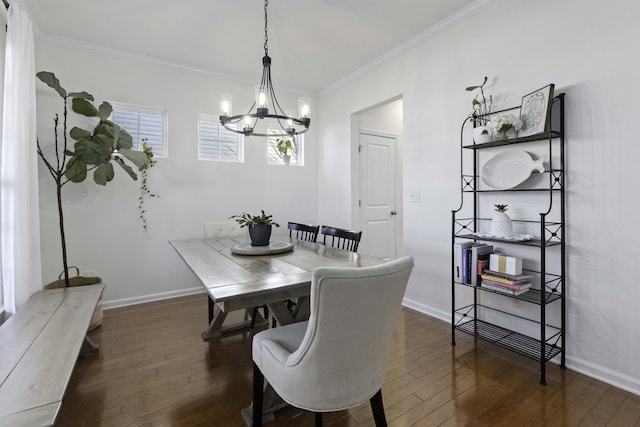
(470, 259)
(505, 283)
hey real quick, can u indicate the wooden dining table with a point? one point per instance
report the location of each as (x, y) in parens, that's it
(236, 282)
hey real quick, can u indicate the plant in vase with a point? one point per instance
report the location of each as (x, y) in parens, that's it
(94, 150)
(499, 126)
(283, 146)
(480, 114)
(259, 226)
(501, 225)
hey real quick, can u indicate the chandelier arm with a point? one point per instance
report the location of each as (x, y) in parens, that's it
(276, 105)
(290, 126)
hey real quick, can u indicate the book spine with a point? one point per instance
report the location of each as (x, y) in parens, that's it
(458, 248)
(520, 286)
(478, 253)
(503, 290)
(465, 265)
(490, 272)
(502, 279)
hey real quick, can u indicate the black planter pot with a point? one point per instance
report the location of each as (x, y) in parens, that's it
(260, 234)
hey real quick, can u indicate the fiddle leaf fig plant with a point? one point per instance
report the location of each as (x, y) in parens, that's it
(94, 150)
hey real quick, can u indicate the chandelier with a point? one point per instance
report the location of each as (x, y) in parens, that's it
(266, 106)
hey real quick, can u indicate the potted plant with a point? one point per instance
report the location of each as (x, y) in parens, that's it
(480, 114)
(283, 146)
(501, 125)
(259, 226)
(94, 150)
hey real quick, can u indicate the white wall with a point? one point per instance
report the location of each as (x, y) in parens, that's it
(104, 234)
(588, 50)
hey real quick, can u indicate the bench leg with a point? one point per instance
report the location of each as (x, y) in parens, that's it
(89, 347)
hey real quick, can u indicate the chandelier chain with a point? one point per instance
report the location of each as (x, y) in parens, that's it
(266, 35)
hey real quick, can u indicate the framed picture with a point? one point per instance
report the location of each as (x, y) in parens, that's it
(535, 110)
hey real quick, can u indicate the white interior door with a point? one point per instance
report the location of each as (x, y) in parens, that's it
(378, 214)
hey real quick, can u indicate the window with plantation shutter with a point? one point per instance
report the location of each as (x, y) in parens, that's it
(217, 143)
(143, 123)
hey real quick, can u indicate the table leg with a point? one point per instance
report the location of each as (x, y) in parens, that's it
(89, 347)
(216, 328)
(284, 316)
(271, 402)
(302, 309)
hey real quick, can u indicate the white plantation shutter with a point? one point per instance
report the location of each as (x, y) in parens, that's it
(217, 143)
(143, 123)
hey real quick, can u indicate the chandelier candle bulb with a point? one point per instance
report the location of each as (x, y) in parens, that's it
(261, 101)
(303, 105)
(247, 125)
(225, 105)
(290, 129)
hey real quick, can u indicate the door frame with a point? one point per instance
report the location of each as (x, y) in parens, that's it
(355, 174)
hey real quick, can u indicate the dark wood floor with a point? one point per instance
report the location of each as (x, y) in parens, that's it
(154, 370)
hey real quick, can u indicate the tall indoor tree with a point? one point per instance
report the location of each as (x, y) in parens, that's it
(94, 149)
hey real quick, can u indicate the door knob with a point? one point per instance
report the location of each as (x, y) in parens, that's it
(394, 213)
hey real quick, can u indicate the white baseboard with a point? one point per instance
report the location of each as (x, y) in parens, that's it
(428, 310)
(149, 298)
(606, 375)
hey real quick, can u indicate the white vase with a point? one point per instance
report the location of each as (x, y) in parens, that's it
(501, 225)
(481, 135)
(286, 159)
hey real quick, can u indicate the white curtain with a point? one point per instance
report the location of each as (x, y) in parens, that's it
(19, 210)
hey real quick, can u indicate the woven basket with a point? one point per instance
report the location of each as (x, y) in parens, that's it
(78, 280)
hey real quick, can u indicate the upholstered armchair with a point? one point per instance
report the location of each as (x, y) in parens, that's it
(226, 230)
(337, 359)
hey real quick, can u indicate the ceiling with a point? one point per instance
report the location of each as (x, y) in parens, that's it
(312, 43)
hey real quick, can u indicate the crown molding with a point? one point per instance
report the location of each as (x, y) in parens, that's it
(408, 45)
(151, 60)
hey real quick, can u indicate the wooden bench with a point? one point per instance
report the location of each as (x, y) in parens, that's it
(39, 346)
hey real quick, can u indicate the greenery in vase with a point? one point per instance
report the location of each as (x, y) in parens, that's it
(245, 219)
(93, 150)
(283, 146)
(499, 126)
(481, 105)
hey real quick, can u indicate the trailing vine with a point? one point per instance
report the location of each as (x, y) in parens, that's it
(145, 192)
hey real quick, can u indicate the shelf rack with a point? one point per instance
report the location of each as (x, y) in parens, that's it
(549, 288)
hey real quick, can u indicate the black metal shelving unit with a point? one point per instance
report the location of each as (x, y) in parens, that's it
(548, 287)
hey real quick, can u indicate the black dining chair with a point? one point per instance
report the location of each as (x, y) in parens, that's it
(341, 238)
(306, 232)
